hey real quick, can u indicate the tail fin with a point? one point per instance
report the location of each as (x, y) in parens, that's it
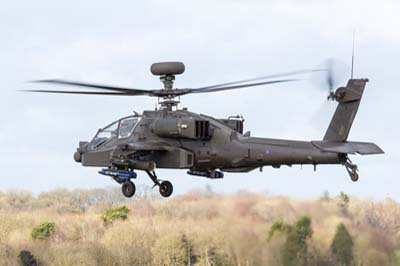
(349, 98)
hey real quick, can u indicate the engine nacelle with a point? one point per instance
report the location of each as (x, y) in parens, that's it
(182, 128)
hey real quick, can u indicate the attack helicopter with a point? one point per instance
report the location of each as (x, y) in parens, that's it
(174, 138)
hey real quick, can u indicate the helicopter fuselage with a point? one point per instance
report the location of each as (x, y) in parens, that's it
(179, 139)
(185, 140)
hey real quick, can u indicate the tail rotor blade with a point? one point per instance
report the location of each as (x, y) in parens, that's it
(335, 74)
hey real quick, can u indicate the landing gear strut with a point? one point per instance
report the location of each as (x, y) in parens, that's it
(351, 168)
(128, 188)
(165, 187)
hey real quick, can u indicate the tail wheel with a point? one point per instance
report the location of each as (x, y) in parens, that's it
(128, 189)
(166, 189)
(354, 177)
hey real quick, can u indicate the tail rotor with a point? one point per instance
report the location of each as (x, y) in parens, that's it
(334, 76)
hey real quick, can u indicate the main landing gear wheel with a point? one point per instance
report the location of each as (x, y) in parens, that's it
(128, 188)
(166, 189)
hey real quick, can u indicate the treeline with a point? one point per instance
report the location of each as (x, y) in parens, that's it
(99, 227)
(295, 250)
(79, 200)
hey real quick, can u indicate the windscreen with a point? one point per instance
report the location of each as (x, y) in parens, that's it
(105, 134)
(127, 126)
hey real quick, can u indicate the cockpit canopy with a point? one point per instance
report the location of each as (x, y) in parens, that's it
(122, 128)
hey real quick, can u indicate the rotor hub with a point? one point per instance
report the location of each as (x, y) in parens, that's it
(167, 72)
(168, 81)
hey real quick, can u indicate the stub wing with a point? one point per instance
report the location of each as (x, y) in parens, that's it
(349, 147)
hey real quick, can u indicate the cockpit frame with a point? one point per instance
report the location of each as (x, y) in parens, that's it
(114, 133)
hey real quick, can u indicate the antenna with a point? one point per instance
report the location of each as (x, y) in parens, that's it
(352, 55)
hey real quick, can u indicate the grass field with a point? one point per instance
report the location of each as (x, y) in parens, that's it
(200, 228)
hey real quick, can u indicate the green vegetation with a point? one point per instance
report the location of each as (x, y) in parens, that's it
(342, 246)
(27, 259)
(295, 249)
(43, 231)
(198, 229)
(115, 213)
(279, 228)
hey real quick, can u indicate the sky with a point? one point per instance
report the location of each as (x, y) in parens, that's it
(116, 42)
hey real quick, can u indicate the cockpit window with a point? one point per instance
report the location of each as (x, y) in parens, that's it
(105, 134)
(127, 126)
(121, 129)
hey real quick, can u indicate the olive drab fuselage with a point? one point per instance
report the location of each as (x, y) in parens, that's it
(178, 139)
(207, 146)
(182, 139)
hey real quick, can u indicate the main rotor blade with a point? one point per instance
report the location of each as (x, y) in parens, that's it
(298, 72)
(130, 91)
(83, 92)
(205, 90)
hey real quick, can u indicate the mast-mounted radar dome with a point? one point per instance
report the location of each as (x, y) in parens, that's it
(167, 68)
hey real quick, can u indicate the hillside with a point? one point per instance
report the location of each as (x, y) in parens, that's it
(200, 228)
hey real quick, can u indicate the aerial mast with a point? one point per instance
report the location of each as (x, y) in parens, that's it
(352, 55)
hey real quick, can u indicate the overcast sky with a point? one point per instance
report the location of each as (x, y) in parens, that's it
(115, 42)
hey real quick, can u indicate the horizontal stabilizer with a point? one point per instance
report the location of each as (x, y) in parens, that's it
(350, 147)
